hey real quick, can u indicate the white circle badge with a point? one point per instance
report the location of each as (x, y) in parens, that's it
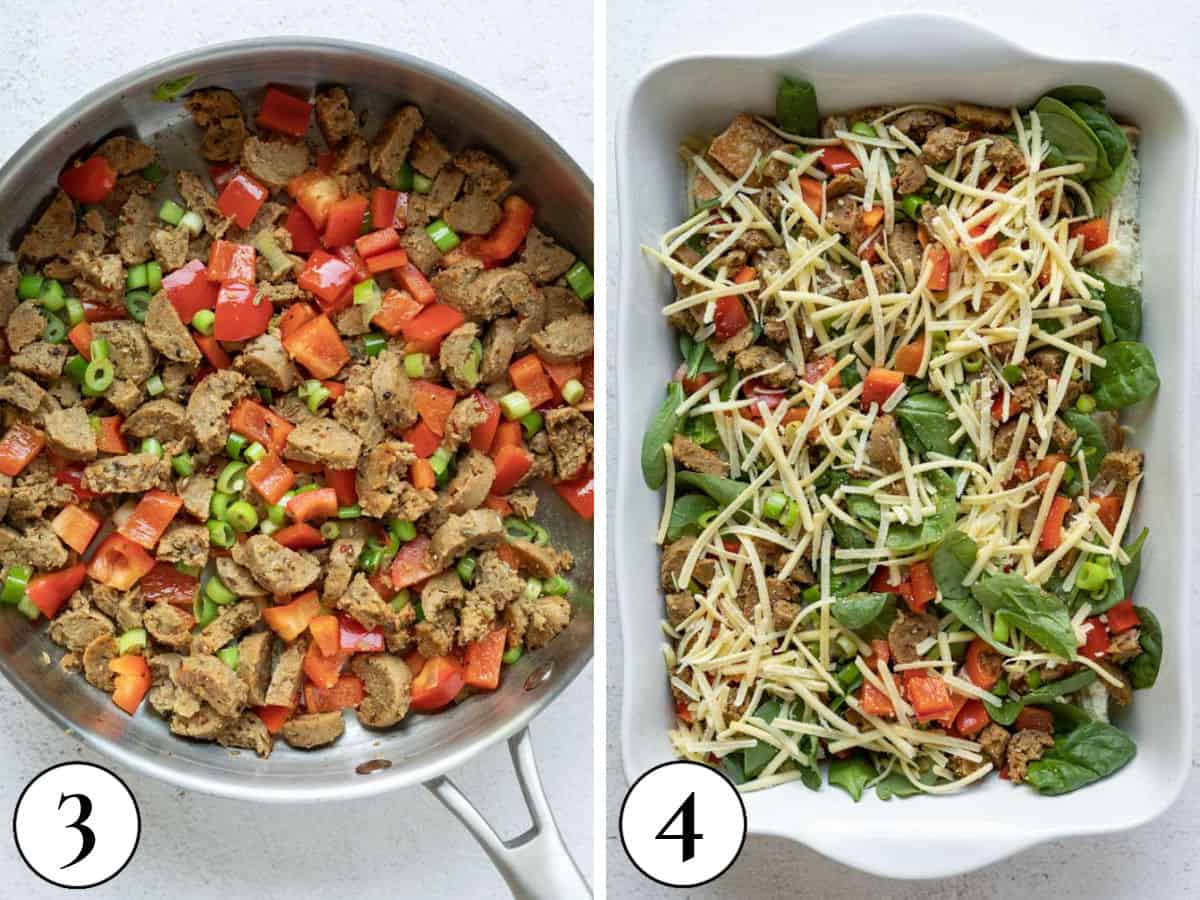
(76, 825)
(683, 824)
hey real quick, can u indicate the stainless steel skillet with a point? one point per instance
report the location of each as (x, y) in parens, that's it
(423, 748)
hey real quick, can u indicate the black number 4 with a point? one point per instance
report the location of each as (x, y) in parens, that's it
(687, 829)
(88, 836)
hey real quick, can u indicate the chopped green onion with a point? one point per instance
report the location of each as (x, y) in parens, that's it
(331, 530)
(52, 296)
(775, 504)
(136, 278)
(183, 465)
(204, 320)
(401, 600)
(353, 511)
(137, 302)
(154, 173)
(421, 184)
(192, 223)
(440, 460)
(515, 406)
(152, 445)
(1033, 679)
(255, 452)
(74, 310)
(533, 588)
(556, 586)
(373, 344)
(414, 365)
(220, 534)
(99, 350)
(155, 386)
(370, 560)
(973, 363)
(232, 478)
(366, 292)
(234, 445)
(442, 235)
(266, 394)
(418, 612)
(518, 529)
(403, 530)
(277, 514)
(864, 129)
(56, 330)
(1085, 403)
(241, 517)
(98, 377)
(154, 275)
(15, 583)
(219, 504)
(171, 212)
(811, 594)
(789, 518)
(1012, 374)
(532, 424)
(912, 206)
(541, 536)
(404, 177)
(466, 570)
(229, 655)
(1000, 630)
(27, 609)
(511, 656)
(279, 261)
(1093, 575)
(313, 393)
(134, 638)
(203, 609)
(573, 392)
(30, 287)
(579, 277)
(216, 590)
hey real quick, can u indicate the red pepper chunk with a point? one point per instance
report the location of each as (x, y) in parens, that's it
(345, 221)
(580, 495)
(1053, 528)
(529, 377)
(189, 290)
(928, 694)
(386, 238)
(221, 174)
(437, 684)
(241, 313)
(939, 260)
(318, 347)
(299, 536)
(284, 113)
(484, 433)
(119, 563)
(354, 638)
(256, 422)
(1035, 718)
(346, 694)
(326, 277)
(875, 702)
(271, 478)
(879, 385)
(1093, 231)
(166, 584)
(511, 465)
(75, 527)
(132, 683)
(920, 576)
(273, 717)
(109, 438)
(228, 261)
(90, 182)
(729, 317)
(1095, 645)
(396, 308)
(343, 483)
(432, 324)
(319, 504)
(1122, 617)
(434, 404)
(151, 517)
(386, 262)
(983, 664)
(415, 282)
(289, 620)
(412, 564)
(484, 658)
(241, 199)
(384, 204)
(49, 591)
(836, 160)
(305, 237)
(315, 192)
(18, 448)
(213, 351)
(81, 339)
(971, 719)
(504, 240)
(424, 441)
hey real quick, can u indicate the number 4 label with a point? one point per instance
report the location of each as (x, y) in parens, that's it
(685, 802)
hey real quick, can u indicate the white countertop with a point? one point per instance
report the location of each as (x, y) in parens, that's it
(52, 52)
(1154, 861)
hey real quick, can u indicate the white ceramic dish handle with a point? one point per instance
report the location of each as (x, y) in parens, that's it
(536, 864)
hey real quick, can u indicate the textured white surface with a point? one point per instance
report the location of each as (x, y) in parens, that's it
(403, 843)
(1156, 859)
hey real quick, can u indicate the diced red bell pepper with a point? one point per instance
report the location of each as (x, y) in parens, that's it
(729, 317)
(346, 694)
(81, 339)
(580, 494)
(1035, 718)
(89, 182)
(483, 660)
(285, 113)
(325, 633)
(313, 505)
(939, 276)
(151, 517)
(315, 192)
(986, 246)
(384, 203)
(432, 324)
(924, 589)
(1096, 643)
(289, 620)
(305, 237)
(212, 351)
(879, 385)
(381, 241)
(318, 347)
(836, 160)
(254, 421)
(18, 448)
(386, 262)
(132, 683)
(299, 536)
(1053, 528)
(484, 433)
(529, 377)
(323, 669)
(1122, 617)
(119, 563)
(358, 265)
(49, 591)
(983, 664)
(102, 312)
(561, 373)
(908, 357)
(75, 527)
(293, 317)
(241, 313)
(424, 441)
(326, 276)
(498, 504)
(1109, 512)
(437, 684)
(1094, 232)
(343, 483)
(434, 404)
(971, 719)
(396, 308)
(511, 465)
(508, 434)
(271, 477)
(810, 191)
(505, 239)
(273, 717)
(241, 199)
(345, 221)
(221, 174)
(108, 436)
(875, 702)
(422, 476)
(928, 694)
(815, 370)
(415, 282)
(354, 638)
(190, 290)
(412, 564)
(166, 584)
(72, 477)
(228, 261)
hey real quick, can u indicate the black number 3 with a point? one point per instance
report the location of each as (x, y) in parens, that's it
(88, 836)
(687, 830)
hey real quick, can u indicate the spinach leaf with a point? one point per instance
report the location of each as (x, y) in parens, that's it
(1123, 307)
(896, 784)
(1041, 616)
(924, 424)
(1070, 93)
(810, 775)
(1092, 751)
(903, 538)
(1143, 670)
(848, 538)
(1095, 445)
(970, 613)
(1124, 577)
(796, 107)
(1068, 717)
(851, 774)
(952, 560)
(1006, 713)
(723, 490)
(1114, 591)
(660, 431)
(1107, 132)
(1105, 191)
(702, 429)
(755, 759)
(861, 506)
(732, 766)
(857, 611)
(1051, 690)
(1128, 376)
(1073, 139)
(1133, 568)
(686, 510)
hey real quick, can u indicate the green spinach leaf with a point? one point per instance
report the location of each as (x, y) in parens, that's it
(1041, 616)
(896, 784)
(1092, 751)
(952, 560)
(660, 431)
(1095, 445)
(684, 513)
(1128, 376)
(1074, 140)
(1143, 670)
(755, 759)
(1105, 191)
(1133, 568)
(1006, 713)
(796, 107)
(1108, 132)
(925, 424)
(723, 490)
(1070, 93)
(1052, 690)
(932, 529)
(851, 774)
(732, 766)
(1123, 308)
(857, 611)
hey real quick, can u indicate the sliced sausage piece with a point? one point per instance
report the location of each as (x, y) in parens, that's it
(285, 679)
(471, 483)
(690, 455)
(499, 344)
(210, 403)
(275, 567)
(473, 214)
(469, 531)
(388, 684)
(265, 361)
(76, 628)
(458, 358)
(428, 155)
(484, 175)
(542, 259)
(196, 491)
(132, 473)
(163, 419)
(230, 622)
(325, 442)
(255, 653)
(42, 360)
(51, 235)
(125, 155)
(738, 145)
(274, 161)
(25, 325)
(213, 682)
(248, 732)
(21, 391)
(169, 625)
(380, 477)
(570, 433)
(167, 333)
(544, 562)
(96, 657)
(394, 399)
(238, 578)
(313, 730)
(1024, 747)
(184, 543)
(565, 340)
(37, 546)
(70, 434)
(335, 117)
(390, 148)
(883, 444)
(907, 632)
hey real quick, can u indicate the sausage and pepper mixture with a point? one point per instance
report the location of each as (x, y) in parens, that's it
(270, 426)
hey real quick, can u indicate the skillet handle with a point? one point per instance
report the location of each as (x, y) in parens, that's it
(536, 864)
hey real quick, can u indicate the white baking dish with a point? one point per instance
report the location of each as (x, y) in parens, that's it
(894, 60)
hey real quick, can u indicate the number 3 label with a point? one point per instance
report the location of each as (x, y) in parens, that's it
(683, 824)
(76, 825)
